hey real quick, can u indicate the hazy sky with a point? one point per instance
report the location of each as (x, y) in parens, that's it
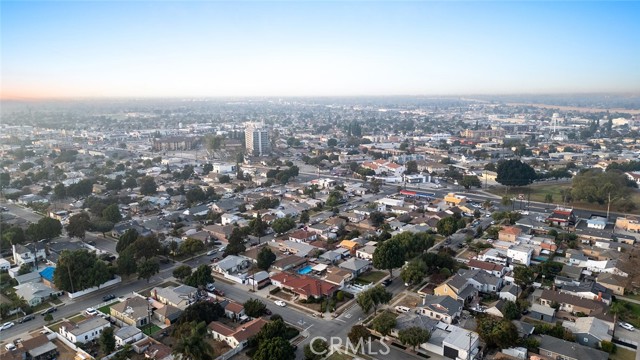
(89, 49)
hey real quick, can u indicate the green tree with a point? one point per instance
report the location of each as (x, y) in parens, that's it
(447, 226)
(48, 318)
(359, 334)
(414, 336)
(373, 297)
(78, 225)
(126, 263)
(496, 332)
(332, 142)
(126, 239)
(258, 227)
(254, 308)
(376, 218)
(79, 270)
(236, 243)
(5, 180)
(316, 350)
(283, 225)
(112, 213)
(147, 268)
(304, 217)
(615, 309)
(200, 277)
(148, 186)
(412, 167)
(201, 311)
(388, 255)
(414, 272)
(59, 191)
(275, 348)
(515, 173)
(194, 346)
(384, 323)
(548, 198)
(469, 181)
(191, 246)
(523, 276)
(45, 228)
(266, 257)
(511, 311)
(182, 272)
(107, 341)
(506, 201)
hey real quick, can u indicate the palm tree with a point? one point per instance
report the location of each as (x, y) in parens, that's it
(194, 346)
(615, 309)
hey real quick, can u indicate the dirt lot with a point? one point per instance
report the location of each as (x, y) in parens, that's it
(409, 301)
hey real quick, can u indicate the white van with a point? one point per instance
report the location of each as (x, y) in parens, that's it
(402, 309)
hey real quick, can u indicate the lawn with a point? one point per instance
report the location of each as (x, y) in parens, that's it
(623, 354)
(538, 192)
(77, 318)
(372, 276)
(338, 356)
(150, 329)
(107, 308)
(631, 313)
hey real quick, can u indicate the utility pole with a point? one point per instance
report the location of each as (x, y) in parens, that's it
(609, 206)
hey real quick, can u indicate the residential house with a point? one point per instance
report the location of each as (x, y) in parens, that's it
(24, 255)
(491, 268)
(629, 223)
(134, 311)
(542, 313)
(302, 236)
(457, 288)
(229, 219)
(232, 309)
(338, 276)
(232, 264)
(84, 331)
(563, 217)
(36, 348)
(331, 256)
(304, 286)
(178, 296)
(612, 282)
(589, 331)
(356, 266)
(509, 292)
(34, 293)
(366, 252)
(554, 348)
(288, 262)
(481, 280)
(297, 248)
(226, 205)
(520, 254)
(350, 245)
(572, 304)
(167, 314)
(509, 233)
(236, 337)
(157, 351)
(453, 199)
(128, 335)
(120, 228)
(220, 232)
(441, 308)
(497, 309)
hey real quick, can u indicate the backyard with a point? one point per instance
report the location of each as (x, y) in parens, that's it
(623, 354)
(106, 309)
(631, 313)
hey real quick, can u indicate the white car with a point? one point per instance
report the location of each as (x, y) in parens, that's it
(91, 311)
(626, 326)
(280, 303)
(6, 326)
(211, 252)
(10, 347)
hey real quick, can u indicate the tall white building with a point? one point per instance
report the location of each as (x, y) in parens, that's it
(256, 137)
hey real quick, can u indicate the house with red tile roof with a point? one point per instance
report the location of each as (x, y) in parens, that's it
(509, 233)
(304, 286)
(236, 337)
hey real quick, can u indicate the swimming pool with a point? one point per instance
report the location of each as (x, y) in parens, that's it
(305, 270)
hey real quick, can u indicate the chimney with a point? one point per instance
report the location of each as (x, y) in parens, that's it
(599, 295)
(155, 294)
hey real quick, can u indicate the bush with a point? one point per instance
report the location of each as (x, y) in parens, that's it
(608, 347)
(274, 291)
(339, 295)
(291, 332)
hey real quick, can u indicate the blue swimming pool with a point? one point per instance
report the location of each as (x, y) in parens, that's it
(305, 270)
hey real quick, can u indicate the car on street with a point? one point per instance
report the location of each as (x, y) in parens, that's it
(10, 347)
(626, 326)
(4, 208)
(108, 297)
(210, 287)
(211, 252)
(26, 318)
(91, 311)
(49, 311)
(7, 325)
(387, 282)
(267, 312)
(218, 292)
(280, 303)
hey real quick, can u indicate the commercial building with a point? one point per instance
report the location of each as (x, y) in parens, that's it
(256, 137)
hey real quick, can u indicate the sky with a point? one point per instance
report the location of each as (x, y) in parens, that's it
(57, 49)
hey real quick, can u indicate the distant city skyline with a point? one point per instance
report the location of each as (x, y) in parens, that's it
(217, 49)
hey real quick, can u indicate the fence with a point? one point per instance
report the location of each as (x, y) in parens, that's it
(230, 353)
(76, 294)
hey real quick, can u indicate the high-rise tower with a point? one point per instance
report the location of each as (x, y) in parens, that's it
(256, 137)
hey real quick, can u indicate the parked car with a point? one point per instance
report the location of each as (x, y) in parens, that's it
(108, 297)
(7, 325)
(49, 311)
(27, 318)
(280, 303)
(210, 287)
(211, 252)
(267, 312)
(218, 292)
(91, 311)
(10, 347)
(387, 282)
(402, 309)
(626, 326)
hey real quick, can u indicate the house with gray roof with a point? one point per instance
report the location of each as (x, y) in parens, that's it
(34, 293)
(542, 313)
(356, 266)
(178, 296)
(589, 331)
(555, 348)
(232, 264)
(441, 308)
(128, 335)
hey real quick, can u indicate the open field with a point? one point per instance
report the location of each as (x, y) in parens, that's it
(537, 192)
